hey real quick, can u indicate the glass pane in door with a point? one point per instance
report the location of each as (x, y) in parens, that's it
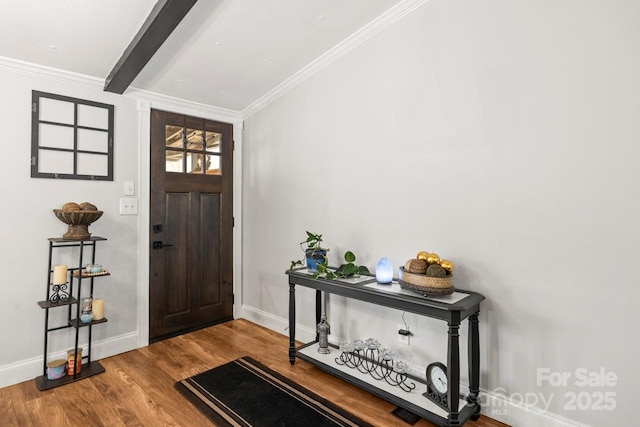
(213, 165)
(194, 139)
(213, 141)
(173, 135)
(194, 163)
(174, 161)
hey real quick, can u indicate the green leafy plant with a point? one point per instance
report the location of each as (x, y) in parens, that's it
(348, 269)
(312, 248)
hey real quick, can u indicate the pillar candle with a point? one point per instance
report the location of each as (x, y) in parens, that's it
(59, 274)
(98, 309)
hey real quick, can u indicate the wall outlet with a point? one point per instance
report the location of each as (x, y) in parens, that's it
(128, 206)
(403, 339)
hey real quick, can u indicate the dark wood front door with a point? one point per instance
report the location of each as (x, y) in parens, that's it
(190, 261)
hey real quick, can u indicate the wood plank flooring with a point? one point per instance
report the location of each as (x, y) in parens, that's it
(137, 387)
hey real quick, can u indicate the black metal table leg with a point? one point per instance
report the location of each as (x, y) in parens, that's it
(453, 372)
(318, 312)
(292, 323)
(474, 365)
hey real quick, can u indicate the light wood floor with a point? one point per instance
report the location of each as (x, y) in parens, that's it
(137, 387)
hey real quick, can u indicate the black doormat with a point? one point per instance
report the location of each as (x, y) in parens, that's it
(246, 393)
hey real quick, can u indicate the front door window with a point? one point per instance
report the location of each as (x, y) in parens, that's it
(193, 151)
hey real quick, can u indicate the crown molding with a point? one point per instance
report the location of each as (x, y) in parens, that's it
(42, 71)
(394, 14)
(178, 105)
(160, 101)
(155, 100)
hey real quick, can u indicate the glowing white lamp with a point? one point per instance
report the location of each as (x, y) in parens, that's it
(384, 271)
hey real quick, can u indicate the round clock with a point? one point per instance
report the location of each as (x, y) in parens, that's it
(437, 386)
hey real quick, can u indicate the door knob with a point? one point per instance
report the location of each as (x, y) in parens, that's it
(157, 244)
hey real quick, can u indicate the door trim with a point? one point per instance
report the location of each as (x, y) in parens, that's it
(144, 193)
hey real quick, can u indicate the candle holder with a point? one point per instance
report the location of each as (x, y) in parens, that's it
(86, 317)
(58, 293)
(368, 358)
(87, 313)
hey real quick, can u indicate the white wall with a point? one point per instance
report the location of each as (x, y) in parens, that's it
(27, 221)
(502, 135)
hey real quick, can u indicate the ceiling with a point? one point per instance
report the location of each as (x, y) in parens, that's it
(224, 53)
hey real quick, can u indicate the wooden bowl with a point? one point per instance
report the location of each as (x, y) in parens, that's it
(424, 284)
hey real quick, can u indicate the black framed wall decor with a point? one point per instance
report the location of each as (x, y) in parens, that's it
(71, 138)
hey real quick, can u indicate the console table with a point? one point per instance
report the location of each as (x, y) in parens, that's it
(464, 305)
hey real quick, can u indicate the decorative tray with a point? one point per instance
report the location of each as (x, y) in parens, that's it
(85, 274)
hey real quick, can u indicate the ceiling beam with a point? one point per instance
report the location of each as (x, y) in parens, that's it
(163, 19)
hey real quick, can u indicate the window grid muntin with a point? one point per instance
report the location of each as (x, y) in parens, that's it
(36, 96)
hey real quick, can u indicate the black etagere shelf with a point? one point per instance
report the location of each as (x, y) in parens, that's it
(70, 295)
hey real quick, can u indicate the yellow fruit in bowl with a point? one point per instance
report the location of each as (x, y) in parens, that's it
(422, 255)
(447, 265)
(433, 258)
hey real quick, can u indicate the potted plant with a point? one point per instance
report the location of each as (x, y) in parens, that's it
(314, 253)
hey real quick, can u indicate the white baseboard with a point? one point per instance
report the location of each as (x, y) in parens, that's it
(495, 406)
(28, 369)
(276, 323)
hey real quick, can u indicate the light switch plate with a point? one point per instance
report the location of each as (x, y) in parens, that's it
(129, 188)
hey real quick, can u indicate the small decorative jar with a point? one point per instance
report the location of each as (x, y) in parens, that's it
(74, 361)
(87, 304)
(56, 369)
(87, 314)
(86, 317)
(95, 268)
